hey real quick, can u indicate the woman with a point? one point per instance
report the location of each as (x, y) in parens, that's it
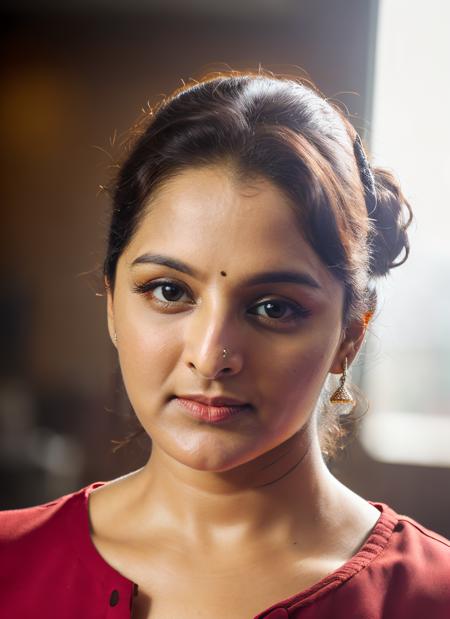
(246, 236)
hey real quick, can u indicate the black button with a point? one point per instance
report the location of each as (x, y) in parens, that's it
(114, 598)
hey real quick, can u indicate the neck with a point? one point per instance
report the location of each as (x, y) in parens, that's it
(286, 489)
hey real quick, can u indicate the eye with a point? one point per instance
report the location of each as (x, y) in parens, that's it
(163, 292)
(280, 311)
(169, 294)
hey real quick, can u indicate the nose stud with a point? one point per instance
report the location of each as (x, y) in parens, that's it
(217, 368)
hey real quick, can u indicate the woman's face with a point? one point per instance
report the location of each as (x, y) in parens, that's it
(242, 278)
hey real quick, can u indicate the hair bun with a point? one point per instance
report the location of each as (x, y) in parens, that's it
(390, 221)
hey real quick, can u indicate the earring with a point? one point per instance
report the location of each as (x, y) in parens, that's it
(115, 338)
(342, 395)
(224, 353)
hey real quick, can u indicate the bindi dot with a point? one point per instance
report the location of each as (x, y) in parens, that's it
(223, 273)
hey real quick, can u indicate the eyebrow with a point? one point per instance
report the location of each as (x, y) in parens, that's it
(166, 261)
(268, 277)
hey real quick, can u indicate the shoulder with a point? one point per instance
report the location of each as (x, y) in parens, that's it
(416, 545)
(41, 523)
(402, 570)
(48, 562)
(44, 536)
(413, 566)
(16, 524)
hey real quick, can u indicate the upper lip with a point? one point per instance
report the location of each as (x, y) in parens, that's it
(215, 401)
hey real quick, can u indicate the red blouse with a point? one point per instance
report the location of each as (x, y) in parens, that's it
(50, 568)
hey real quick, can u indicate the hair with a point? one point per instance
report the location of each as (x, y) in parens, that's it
(286, 131)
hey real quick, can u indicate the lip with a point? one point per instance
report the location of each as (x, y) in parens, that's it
(214, 401)
(212, 413)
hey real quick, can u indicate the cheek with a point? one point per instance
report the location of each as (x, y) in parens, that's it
(292, 388)
(148, 352)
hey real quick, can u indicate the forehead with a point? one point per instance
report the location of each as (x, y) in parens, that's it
(215, 220)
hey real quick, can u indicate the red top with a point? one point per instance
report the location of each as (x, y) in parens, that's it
(50, 568)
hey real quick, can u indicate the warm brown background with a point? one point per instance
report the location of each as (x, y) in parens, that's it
(71, 81)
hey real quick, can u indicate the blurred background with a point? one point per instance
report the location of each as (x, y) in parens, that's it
(75, 76)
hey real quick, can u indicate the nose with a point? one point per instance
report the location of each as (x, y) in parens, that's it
(211, 332)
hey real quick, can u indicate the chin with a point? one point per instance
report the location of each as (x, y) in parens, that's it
(212, 454)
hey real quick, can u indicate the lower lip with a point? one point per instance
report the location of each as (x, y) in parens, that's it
(211, 414)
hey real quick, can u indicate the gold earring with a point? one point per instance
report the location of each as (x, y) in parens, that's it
(342, 395)
(115, 337)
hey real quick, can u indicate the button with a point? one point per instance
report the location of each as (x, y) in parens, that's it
(398, 526)
(278, 613)
(114, 598)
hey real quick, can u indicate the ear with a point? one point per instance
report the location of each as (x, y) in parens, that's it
(352, 340)
(110, 312)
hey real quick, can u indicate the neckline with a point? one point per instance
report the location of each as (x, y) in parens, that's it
(375, 543)
(87, 547)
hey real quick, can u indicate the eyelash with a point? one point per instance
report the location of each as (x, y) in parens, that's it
(149, 287)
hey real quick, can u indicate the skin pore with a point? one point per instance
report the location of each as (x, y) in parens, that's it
(226, 519)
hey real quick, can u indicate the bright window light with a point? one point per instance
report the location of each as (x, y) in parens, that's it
(407, 360)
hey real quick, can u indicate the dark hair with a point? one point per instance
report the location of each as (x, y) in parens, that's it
(287, 132)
